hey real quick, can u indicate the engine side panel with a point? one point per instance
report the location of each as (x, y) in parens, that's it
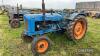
(34, 24)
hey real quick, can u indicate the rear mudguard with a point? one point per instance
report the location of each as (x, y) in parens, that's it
(74, 15)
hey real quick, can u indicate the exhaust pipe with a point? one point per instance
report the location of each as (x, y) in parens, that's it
(43, 11)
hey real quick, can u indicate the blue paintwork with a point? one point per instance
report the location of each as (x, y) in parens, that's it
(32, 18)
(48, 16)
(74, 15)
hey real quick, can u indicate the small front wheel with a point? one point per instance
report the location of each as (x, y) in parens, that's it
(40, 45)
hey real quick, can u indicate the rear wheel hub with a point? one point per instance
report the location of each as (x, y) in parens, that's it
(79, 29)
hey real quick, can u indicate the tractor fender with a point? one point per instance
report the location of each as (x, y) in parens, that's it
(74, 15)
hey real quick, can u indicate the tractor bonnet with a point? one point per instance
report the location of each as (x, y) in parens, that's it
(48, 17)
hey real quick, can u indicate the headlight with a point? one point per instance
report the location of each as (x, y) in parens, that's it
(38, 26)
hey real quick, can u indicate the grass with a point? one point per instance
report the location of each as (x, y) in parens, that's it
(12, 45)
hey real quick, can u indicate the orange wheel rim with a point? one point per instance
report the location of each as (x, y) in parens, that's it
(42, 46)
(79, 29)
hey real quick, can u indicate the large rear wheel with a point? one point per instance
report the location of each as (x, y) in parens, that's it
(77, 28)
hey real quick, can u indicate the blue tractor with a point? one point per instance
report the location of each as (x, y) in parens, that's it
(37, 25)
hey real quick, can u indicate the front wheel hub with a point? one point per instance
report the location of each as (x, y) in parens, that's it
(42, 46)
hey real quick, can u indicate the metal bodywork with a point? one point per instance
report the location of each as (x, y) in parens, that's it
(73, 24)
(54, 23)
(12, 13)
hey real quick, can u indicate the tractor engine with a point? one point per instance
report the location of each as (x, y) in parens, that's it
(34, 23)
